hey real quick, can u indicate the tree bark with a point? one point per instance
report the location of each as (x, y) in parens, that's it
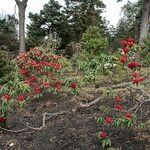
(145, 23)
(22, 8)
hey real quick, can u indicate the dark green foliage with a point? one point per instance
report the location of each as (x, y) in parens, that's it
(93, 41)
(51, 19)
(69, 22)
(8, 33)
(3, 63)
(82, 14)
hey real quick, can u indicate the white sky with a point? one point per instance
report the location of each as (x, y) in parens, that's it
(112, 13)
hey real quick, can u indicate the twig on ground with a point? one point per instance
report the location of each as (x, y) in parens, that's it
(35, 128)
(13, 131)
(44, 120)
(80, 105)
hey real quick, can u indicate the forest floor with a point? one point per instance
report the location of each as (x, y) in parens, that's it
(71, 130)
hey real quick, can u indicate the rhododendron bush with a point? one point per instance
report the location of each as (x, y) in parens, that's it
(123, 116)
(34, 72)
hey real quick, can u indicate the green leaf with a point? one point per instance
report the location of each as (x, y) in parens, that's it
(129, 123)
(103, 143)
(100, 120)
(108, 142)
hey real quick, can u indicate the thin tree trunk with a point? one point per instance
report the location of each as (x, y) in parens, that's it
(145, 23)
(22, 8)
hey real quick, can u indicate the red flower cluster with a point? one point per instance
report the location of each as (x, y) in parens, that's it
(123, 59)
(7, 97)
(23, 71)
(74, 85)
(2, 119)
(119, 107)
(58, 86)
(37, 90)
(134, 64)
(117, 98)
(103, 135)
(109, 120)
(21, 98)
(127, 42)
(135, 74)
(126, 50)
(128, 116)
(137, 80)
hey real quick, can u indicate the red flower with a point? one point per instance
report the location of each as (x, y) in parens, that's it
(2, 119)
(123, 59)
(127, 42)
(21, 98)
(126, 50)
(119, 107)
(137, 80)
(130, 41)
(7, 97)
(108, 120)
(58, 86)
(135, 74)
(103, 134)
(57, 66)
(38, 53)
(74, 85)
(23, 71)
(124, 43)
(128, 116)
(33, 78)
(47, 85)
(134, 64)
(118, 99)
(37, 90)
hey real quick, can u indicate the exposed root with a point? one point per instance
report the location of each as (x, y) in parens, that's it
(36, 128)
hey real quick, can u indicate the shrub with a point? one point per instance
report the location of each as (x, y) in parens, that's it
(3, 63)
(93, 42)
(34, 72)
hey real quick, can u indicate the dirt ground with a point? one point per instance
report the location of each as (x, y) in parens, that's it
(69, 131)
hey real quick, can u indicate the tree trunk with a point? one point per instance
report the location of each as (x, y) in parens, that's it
(22, 7)
(145, 23)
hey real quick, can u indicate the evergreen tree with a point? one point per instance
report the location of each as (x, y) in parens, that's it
(69, 22)
(8, 33)
(82, 14)
(50, 19)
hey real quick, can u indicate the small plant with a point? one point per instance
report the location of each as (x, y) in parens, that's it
(106, 142)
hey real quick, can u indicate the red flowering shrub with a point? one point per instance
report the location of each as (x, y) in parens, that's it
(123, 117)
(34, 72)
